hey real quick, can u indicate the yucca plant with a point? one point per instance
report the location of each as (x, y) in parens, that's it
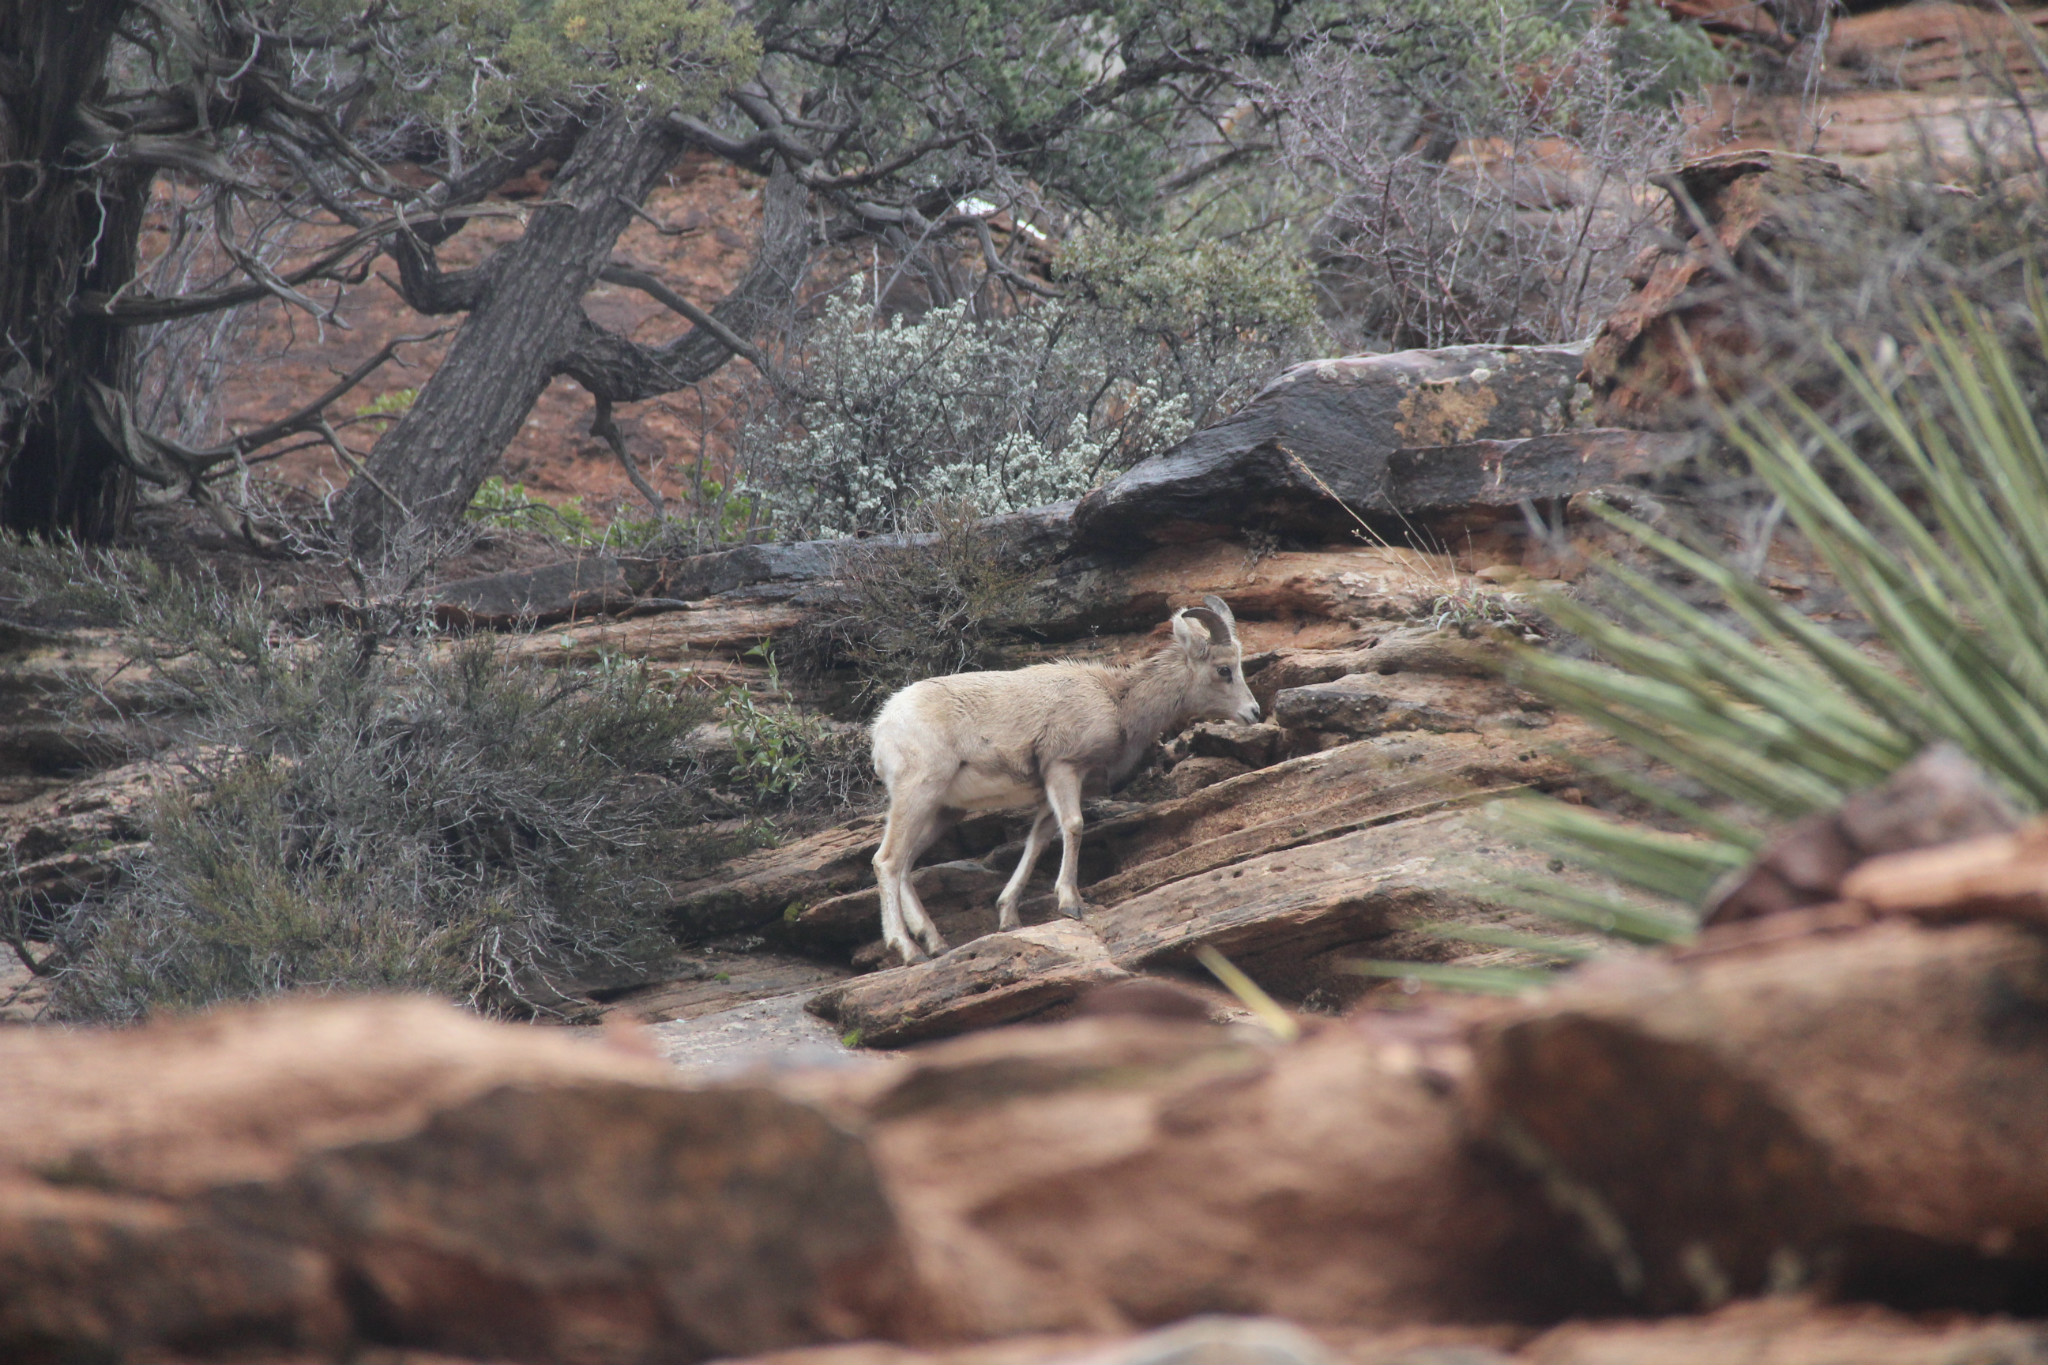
(1938, 532)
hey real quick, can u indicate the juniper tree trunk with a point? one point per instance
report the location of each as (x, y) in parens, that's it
(430, 464)
(526, 325)
(64, 229)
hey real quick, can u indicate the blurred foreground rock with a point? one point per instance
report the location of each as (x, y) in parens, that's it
(1937, 799)
(1854, 1115)
(311, 1177)
(1752, 1120)
(1112, 1172)
(1790, 1330)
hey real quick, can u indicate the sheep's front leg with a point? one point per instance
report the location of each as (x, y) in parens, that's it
(1013, 891)
(1063, 795)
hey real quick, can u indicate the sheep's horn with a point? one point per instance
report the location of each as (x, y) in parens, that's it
(1222, 609)
(1215, 623)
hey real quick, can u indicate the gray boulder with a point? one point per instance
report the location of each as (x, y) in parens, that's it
(1414, 431)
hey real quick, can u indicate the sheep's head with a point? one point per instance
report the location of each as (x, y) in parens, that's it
(1207, 637)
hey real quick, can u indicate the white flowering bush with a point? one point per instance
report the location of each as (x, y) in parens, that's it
(879, 418)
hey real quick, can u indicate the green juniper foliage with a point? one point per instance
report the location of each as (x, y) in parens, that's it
(483, 68)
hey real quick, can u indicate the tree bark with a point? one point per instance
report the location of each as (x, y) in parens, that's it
(429, 465)
(527, 325)
(62, 233)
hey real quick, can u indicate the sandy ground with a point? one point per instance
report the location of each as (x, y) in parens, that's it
(771, 1034)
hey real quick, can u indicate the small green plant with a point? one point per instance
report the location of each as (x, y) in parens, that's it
(508, 505)
(781, 753)
(392, 405)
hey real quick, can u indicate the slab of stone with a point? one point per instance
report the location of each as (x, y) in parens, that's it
(1475, 474)
(1254, 746)
(1859, 1106)
(1192, 774)
(776, 883)
(1785, 1329)
(308, 1178)
(998, 979)
(1134, 1170)
(584, 587)
(1291, 918)
(959, 895)
(1361, 705)
(1312, 798)
(1330, 425)
(1413, 649)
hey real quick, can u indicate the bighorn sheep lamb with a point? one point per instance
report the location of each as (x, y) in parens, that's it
(995, 741)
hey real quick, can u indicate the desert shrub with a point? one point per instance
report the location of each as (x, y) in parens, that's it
(1013, 408)
(55, 583)
(52, 583)
(917, 605)
(364, 807)
(1487, 164)
(433, 819)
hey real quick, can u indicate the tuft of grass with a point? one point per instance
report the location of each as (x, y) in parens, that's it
(784, 755)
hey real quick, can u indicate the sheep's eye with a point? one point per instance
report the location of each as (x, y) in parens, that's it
(1223, 673)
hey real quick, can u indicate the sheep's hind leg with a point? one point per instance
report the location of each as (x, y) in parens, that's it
(1063, 795)
(914, 809)
(921, 923)
(1013, 890)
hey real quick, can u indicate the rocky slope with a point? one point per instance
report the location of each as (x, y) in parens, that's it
(1373, 524)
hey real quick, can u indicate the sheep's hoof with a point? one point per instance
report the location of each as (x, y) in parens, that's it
(910, 953)
(935, 945)
(1074, 911)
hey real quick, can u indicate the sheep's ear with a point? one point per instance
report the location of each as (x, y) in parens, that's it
(1194, 639)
